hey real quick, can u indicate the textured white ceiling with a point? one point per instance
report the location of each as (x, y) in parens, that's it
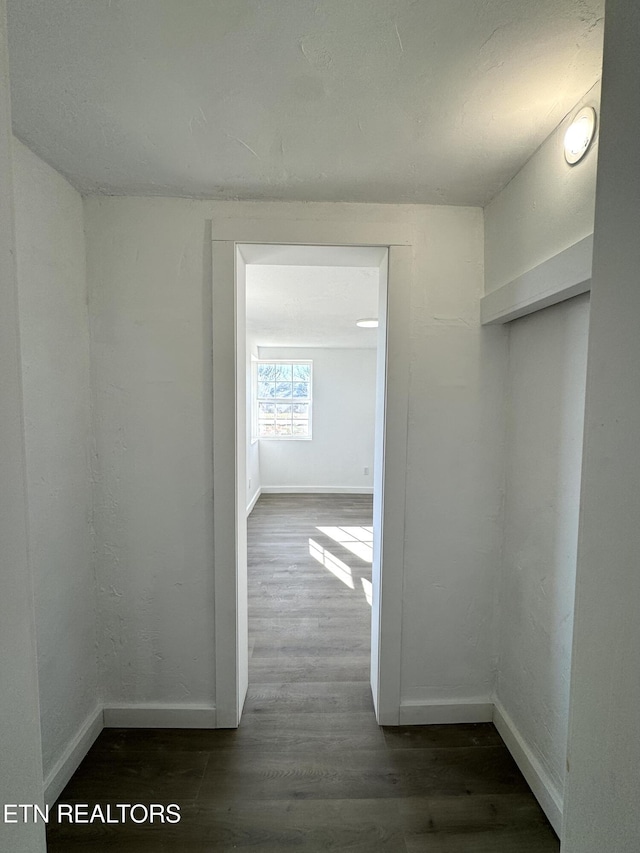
(436, 101)
(311, 306)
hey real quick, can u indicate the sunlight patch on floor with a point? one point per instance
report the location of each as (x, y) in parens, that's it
(368, 590)
(335, 566)
(358, 540)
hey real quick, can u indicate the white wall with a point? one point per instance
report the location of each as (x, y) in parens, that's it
(20, 752)
(545, 414)
(55, 361)
(545, 208)
(254, 478)
(149, 286)
(344, 405)
(604, 748)
(150, 309)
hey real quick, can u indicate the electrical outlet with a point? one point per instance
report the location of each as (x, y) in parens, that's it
(249, 482)
(366, 470)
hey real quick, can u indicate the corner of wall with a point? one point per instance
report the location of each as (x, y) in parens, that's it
(93, 466)
(70, 760)
(537, 777)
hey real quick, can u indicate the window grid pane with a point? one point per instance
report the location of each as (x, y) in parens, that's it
(283, 390)
(286, 382)
(284, 372)
(301, 372)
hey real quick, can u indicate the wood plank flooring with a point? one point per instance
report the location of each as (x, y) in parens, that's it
(309, 769)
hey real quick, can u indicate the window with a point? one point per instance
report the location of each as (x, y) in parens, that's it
(282, 399)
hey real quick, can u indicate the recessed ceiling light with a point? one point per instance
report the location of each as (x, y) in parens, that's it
(368, 323)
(579, 134)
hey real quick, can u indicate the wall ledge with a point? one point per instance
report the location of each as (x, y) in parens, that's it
(543, 788)
(561, 277)
(72, 756)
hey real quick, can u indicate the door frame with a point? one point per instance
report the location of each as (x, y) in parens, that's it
(229, 413)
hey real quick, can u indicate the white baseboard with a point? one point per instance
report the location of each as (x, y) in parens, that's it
(429, 713)
(317, 490)
(70, 760)
(412, 713)
(537, 777)
(160, 717)
(253, 502)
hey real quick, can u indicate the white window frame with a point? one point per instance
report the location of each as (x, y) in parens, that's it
(255, 436)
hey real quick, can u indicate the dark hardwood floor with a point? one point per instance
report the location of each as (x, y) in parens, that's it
(309, 769)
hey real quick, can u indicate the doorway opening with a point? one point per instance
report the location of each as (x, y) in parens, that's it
(230, 258)
(311, 363)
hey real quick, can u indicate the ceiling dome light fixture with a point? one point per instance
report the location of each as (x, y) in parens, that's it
(368, 323)
(579, 135)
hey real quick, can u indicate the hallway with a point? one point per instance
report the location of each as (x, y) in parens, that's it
(309, 769)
